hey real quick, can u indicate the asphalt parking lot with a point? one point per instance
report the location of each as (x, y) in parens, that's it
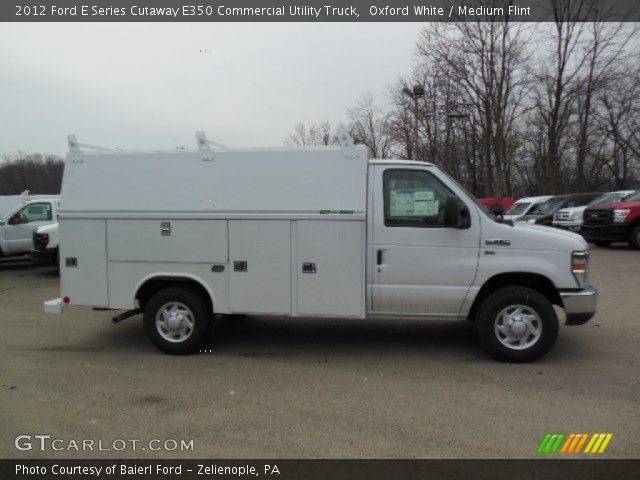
(279, 388)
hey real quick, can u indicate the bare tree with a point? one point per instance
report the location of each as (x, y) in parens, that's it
(40, 174)
(369, 125)
(320, 133)
(481, 65)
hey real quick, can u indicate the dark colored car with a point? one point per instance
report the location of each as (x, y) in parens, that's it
(542, 214)
(606, 223)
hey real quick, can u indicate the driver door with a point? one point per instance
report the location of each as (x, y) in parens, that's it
(20, 226)
(419, 266)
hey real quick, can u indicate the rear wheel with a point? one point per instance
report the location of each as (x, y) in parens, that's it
(177, 320)
(602, 243)
(517, 324)
(634, 237)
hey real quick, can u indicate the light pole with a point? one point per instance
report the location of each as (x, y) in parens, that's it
(472, 121)
(415, 93)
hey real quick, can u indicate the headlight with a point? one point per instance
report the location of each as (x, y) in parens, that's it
(619, 216)
(575, 216)
(580, 267)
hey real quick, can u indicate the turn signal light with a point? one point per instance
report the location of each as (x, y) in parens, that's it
(580, 267)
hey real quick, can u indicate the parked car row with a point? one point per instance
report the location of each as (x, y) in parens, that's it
(570, 218)
(602, 218)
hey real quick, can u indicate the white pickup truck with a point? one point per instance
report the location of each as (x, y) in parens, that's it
(17, 224)
(306, 232)
(44, 250)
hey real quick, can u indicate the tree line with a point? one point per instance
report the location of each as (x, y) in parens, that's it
(511, 109)
(40, 174)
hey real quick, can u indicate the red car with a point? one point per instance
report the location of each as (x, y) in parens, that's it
(504, 202)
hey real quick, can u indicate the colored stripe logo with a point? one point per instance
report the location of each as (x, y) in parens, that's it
(574, 443)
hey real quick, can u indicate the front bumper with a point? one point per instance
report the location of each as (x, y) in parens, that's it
(611, 232)
(572, 227)
(580, 305)
(47, 255)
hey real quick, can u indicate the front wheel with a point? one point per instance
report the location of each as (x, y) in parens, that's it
(634, 238)
(517, 324)
(177, 320)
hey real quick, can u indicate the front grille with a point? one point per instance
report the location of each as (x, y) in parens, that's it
(562, 216)
(597, 217)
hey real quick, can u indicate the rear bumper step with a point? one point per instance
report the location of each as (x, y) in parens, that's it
(53, 306)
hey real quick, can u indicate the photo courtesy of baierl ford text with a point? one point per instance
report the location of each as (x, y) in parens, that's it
(308, 240)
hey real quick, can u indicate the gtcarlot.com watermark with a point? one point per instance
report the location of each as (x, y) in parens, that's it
(45, 442)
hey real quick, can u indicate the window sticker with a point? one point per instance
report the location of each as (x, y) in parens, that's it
(408, 202)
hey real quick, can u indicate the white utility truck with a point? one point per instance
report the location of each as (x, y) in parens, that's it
(306, 232)
(18, 223)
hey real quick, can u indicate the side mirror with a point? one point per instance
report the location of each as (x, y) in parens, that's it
(497, 210)
(456, 213)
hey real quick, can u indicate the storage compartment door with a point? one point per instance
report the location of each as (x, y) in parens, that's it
(260, 264)
(83, 262)
(331, 268)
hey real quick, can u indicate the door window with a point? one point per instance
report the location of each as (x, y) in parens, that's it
(36, 212)
(414, 198)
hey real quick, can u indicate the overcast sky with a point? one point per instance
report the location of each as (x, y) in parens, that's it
(149, 86)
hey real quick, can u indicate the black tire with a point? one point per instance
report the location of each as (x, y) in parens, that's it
(602, 243)
(56, 260)
(201, 316)
(634, 237)
(501, 299)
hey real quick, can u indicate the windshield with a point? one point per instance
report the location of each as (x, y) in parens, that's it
(633, 198)
(478, 203)
(547, 207)
(608, 198)
(518, 208)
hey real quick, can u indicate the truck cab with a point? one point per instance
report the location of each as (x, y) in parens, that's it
(606, 223)
(307, 232)
(17, 225)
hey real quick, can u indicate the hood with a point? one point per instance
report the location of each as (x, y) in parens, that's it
(611, 206)
(526, 236)
(52, 227)
(572, 209)
(511, 217)
(536, 218)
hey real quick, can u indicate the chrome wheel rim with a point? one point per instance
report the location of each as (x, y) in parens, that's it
(518, 327)
(175, 322)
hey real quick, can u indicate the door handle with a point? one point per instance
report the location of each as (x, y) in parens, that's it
(380, 259)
